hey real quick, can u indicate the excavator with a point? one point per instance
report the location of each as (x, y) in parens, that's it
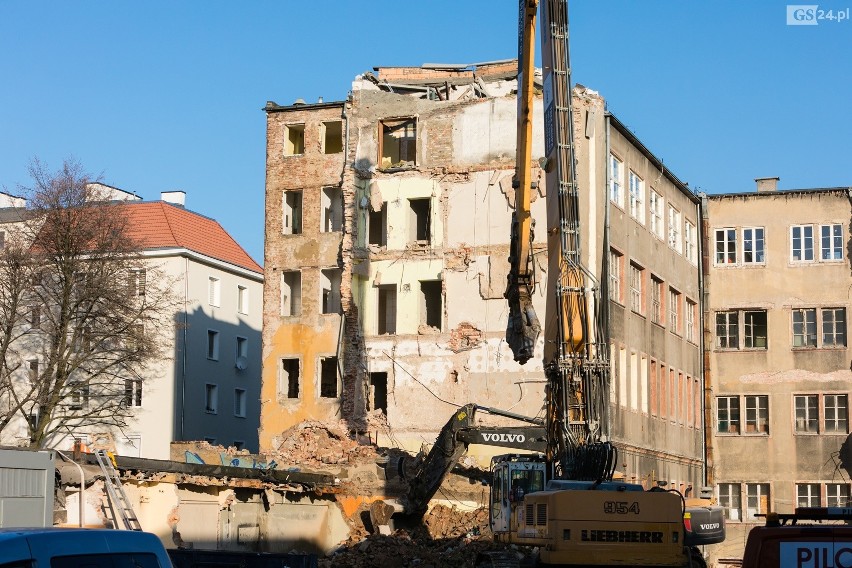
(560, 495)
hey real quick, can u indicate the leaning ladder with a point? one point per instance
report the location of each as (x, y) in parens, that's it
(118, 501)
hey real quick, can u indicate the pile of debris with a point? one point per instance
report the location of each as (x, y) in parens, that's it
(446, 537)
(319, 445)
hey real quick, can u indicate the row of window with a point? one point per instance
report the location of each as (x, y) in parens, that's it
(810, 328)
(331, 211)
(290, 381)
(682, 234)
(241, 351)
(812, 414)
(211, 400)
(668, 307)
(214, 295)
(808, 243)
(758, 498)
(330, 135)
(291, 292)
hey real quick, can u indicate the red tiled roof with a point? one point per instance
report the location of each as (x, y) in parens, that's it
(156, 225)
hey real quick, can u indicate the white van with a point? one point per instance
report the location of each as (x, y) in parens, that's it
(75, 548)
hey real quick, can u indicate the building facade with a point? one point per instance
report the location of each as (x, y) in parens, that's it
(387, 243)
(778, 283)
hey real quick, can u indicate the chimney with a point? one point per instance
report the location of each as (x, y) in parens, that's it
(767, 184)
(176, 197)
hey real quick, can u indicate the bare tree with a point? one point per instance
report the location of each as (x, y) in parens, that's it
(93, 325)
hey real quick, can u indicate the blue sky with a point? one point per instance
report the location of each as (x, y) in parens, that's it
(161, 95)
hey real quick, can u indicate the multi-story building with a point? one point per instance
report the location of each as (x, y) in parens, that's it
(778, 283)
(387, 239)
(207, 387)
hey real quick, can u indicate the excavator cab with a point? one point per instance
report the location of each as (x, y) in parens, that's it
(513, 476)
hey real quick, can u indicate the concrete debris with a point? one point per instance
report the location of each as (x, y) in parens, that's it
(465, 337)
(318, 445)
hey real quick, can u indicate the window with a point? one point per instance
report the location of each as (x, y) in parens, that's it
(656, 207)
(728, 414)
(294, 139)
(836, 413)
(331, 218)
(636, 293)
(328, 377)
(291, 212)
(419, 224)
(757, 500)
(756, 414)
(807, 495)
(332, 140)
(691, 309)
(291, 293)
(242, 347)
(836, 494)
(79, 396)
(242, 299)
(616, 260)
(132, 392)
(729, 498)
(753, 252)
(212, 345)
(386, 321)
(238, 445)
(726, 246)
(637, 197)
(211, 398)
(240, 403)
(378, 222)
(833, 327)
(831, 242)
(397, 143)
(136, 282)
(690, 239)
(727, 329)
(35, 316)
(214, 291)
(288, 381)
(32, 370)
(2, 239)
(806, 408)
(754, 332)
(616, 182)
(804, 328)
(431, 305)
(379, 392)
(674, 311)
(802, 243)
(658, 313)
(330, 290)
(674, 229)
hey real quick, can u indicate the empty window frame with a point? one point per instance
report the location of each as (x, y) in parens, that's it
(332, 137)
(675, 311)
(331, 218)
(379, 392)
(420, 220)
(690, 242)
(291, 293)
(753, 245)
(656, 206)
(214, 291)
(240, 403)
(616, 181)
(675, 240)
(831, 242)
(728, 414)
(616, 276)
(807, 495)
(636, 186)
(431, 304)
(328, 377)
(757, 500)
(637, 285)
(397, 143)
(211, 398)
(291, 212)
(212, 345)
(136, 282)
(294, 139)
(658, 311)
(377, 231)
(330, 279)
(726, 246)
(133, 392)
(386, 316)
(754, 329)
(729, 499)
(756, 414)
(802, 243)
(242, 299)
(836, 494)
(289, 380)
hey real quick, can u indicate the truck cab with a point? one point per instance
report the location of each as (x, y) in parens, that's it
(513, 476)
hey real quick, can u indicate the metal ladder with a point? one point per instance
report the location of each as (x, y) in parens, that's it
(118, 502)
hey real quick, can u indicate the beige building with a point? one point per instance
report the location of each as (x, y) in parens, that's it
(387, 239)
(778, 283)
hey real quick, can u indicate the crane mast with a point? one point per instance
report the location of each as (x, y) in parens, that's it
(576, 334)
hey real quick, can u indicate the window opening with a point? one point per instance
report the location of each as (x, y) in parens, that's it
(291, 215)
(328, 377)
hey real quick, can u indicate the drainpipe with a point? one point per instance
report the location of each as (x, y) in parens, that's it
(183, 355)
(82, 487)
(605, 267)
(705, 355)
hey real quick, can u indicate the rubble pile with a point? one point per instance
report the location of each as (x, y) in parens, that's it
(446, 538)
(318, 445)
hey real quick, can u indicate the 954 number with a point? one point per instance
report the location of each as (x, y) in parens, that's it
(621, 507)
